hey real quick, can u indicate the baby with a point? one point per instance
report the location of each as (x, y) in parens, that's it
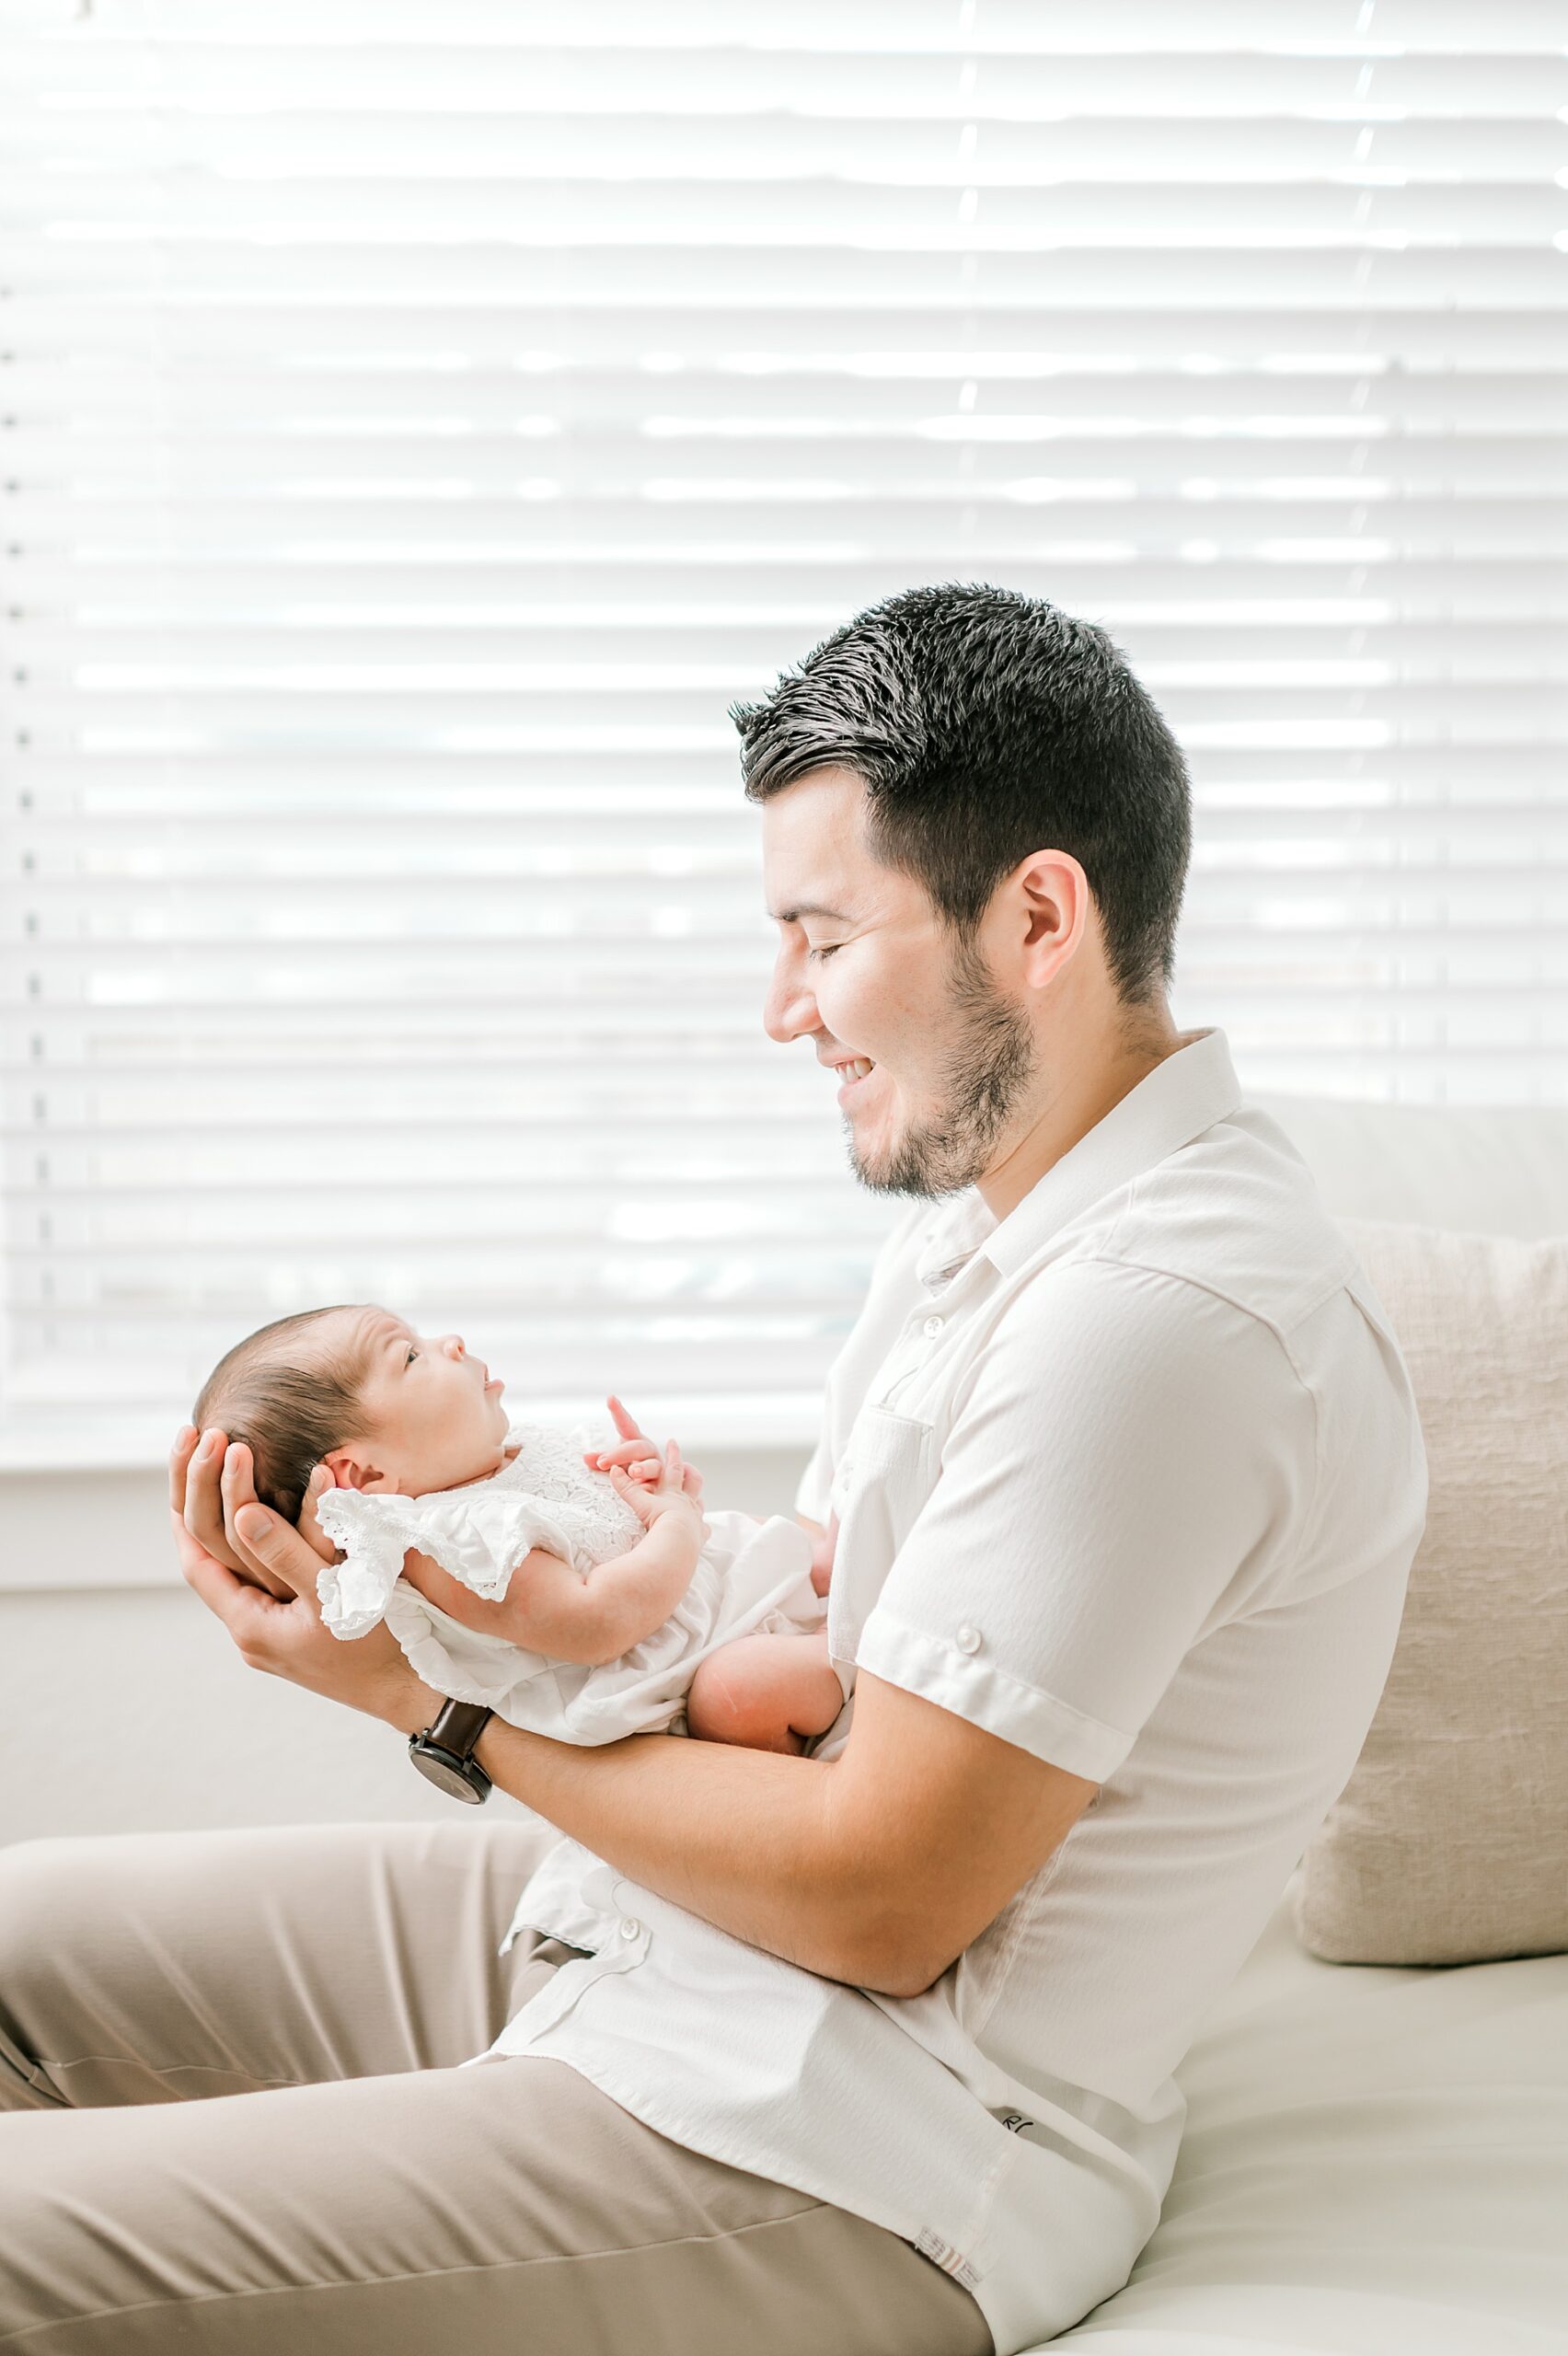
(582, 1602)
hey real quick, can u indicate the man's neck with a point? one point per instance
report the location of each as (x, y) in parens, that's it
(1079, 1106)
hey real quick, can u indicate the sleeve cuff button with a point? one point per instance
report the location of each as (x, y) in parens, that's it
(969, 1640)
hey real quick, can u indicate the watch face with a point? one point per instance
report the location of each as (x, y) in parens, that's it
(444, 1772)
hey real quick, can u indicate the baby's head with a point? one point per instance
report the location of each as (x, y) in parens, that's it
(358, 1389)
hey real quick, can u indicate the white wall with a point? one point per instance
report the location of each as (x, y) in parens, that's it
(126, 1708)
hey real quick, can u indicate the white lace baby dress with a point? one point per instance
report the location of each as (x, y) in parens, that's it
(750, 1574)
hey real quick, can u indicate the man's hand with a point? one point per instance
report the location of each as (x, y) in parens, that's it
(823, 1553)
(258, 1576)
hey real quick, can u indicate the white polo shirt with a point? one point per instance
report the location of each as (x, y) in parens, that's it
(1132, 1479)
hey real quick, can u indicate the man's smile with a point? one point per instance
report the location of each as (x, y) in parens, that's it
(852, 1072)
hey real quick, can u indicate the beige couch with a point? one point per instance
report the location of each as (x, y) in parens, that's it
(1375, 2160)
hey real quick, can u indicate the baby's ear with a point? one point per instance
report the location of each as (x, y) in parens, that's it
(351, 1468)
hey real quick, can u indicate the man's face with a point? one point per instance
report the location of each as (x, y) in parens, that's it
(934, 1062)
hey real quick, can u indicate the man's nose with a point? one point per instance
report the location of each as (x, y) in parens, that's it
(789, 1011)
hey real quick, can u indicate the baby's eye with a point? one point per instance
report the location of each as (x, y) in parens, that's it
(411, 1357)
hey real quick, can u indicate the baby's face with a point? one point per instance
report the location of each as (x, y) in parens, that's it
(434, 1418)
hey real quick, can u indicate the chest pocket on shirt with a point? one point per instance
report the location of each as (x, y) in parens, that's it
(883, 1479)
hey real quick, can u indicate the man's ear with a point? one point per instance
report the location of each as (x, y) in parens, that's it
(351, 1468)
(1055, 898)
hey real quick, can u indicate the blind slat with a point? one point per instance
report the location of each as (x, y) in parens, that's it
(574, 321)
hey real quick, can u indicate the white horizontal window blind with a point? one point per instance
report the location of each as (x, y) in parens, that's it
(422, 419)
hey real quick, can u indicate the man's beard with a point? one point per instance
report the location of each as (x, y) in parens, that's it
(984, 1071)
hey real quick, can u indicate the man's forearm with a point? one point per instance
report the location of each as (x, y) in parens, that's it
(748, 1838)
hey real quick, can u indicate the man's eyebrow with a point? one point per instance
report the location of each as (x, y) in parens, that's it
(809, 908)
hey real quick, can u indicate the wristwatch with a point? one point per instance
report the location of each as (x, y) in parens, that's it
(444, 1752)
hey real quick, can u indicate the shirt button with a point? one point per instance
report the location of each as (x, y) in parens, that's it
(933, 1327)
(969, 1640)
(630, 1927)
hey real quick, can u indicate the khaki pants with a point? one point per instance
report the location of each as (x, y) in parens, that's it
(234, 2123)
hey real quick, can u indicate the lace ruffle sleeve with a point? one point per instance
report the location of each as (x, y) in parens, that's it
(479, 1539)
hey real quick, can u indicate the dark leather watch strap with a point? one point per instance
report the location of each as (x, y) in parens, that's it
(458, 1726)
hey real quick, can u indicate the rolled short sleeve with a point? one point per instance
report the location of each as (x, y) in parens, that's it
(1134, 1455)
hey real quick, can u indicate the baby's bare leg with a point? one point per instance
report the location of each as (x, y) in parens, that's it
(768, 1692)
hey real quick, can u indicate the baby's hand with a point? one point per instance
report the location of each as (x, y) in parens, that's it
(672, 1492)
(637, 1454)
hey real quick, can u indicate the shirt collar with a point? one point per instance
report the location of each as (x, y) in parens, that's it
(1175, 1102)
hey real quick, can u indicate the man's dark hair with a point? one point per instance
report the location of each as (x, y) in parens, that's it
(986, 725)
(289, 1405)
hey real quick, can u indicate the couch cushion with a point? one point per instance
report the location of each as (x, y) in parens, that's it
(1483, 1170)
(1376, 2164)
(1450, 1845)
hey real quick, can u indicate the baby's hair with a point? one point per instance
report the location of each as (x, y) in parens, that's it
(288, 1410)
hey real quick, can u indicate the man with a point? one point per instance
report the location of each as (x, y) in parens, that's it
(872, 2050)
